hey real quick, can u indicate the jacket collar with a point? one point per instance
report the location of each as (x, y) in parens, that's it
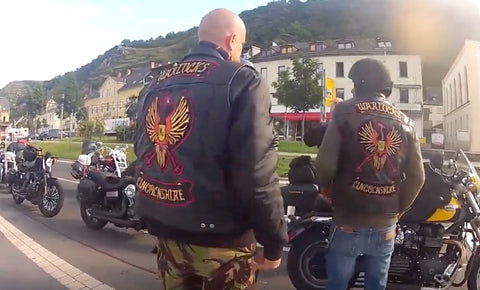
(207, 49)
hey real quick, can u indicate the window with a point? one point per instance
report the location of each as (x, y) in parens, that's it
(455, 101)
(287, 49)
(404, 96)
(4, 119)
(340, 93)
(263, 72)
(384, 44)
(466, 84)
(345, 45)
(340, 73)
(451, 98)
(341, 46)
(403, 69)
(317, 46)
(281, 68)
(348, 45)
(460, 88)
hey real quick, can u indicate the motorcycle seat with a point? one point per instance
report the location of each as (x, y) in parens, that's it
(107, 181)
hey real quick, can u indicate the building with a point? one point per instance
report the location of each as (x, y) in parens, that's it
(461, 91)
(4, 118)
(432, 112)
(336, 57)
(110, 103)
(50, 119)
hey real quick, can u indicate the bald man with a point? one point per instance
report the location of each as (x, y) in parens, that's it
(207, 186)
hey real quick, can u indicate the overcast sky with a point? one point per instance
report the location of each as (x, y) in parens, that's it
(41, 39)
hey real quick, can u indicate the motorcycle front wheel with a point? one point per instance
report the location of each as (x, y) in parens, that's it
(91, 222)
(16, 199)
(52, 201)
(474, 278)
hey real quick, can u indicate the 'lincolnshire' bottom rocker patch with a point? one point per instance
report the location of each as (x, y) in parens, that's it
(169, 194)
(374, 189)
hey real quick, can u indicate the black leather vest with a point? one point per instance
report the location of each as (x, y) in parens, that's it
(181, 137)
(374, 150)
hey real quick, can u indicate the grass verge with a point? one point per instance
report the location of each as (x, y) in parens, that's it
(71, 150)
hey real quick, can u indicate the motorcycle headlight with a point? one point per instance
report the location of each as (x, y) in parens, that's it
(49, 162)
(130, 191)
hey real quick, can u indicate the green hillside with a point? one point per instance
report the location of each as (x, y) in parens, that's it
(434, 29)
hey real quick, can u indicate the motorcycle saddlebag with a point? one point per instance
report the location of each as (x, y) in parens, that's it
(305, 198)
(87, 191)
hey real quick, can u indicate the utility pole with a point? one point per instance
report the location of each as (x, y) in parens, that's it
(61, 117)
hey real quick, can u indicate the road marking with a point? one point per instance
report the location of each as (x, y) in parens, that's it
(65, 161)
(66, 274)
(67, 180)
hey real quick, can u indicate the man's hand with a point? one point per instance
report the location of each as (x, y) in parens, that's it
(264, 264)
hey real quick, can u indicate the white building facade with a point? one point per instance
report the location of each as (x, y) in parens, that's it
(461, 91)
(337, 57)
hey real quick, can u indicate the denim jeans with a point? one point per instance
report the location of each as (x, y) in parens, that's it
(346, 245)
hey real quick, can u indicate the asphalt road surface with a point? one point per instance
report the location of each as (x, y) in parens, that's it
(112, 257)
(117, 257)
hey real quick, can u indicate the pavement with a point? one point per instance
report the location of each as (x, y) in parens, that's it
(61, 253)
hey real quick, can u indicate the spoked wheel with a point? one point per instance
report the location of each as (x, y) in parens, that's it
(306, 262)
(52, 201)
(91, 222)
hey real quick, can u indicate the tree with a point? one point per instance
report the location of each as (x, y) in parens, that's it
(131, 107)
(34, 103)
(44, 123)
(82, 114)
(299, 88)
(68, 94)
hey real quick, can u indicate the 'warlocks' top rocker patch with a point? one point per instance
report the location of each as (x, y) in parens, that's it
(197, 68)
(378, 107)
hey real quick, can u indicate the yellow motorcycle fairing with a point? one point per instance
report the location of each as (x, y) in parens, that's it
(446, 213)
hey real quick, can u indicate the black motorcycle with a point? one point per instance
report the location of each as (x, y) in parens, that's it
(105, 197)
(436, 239)
(33, 180)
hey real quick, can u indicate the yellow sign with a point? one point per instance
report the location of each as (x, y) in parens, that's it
(422, 140)
(330, 92)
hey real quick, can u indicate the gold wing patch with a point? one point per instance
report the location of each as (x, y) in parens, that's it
(178, 122)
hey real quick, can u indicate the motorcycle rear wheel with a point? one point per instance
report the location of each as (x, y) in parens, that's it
(91, 222)
(303, 271)
(51, 201)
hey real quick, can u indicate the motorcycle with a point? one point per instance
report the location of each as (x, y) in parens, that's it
(7, 162)
(93, 155)
(33, 180)
(106, 196)
(436, 239)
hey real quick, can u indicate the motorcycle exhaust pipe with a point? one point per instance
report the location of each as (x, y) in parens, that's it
(117, 214)
(119, 222)
(447, 278)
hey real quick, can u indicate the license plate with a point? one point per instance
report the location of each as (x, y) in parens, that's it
(112, 194)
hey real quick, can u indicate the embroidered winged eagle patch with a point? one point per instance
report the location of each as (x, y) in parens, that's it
(166, 133)
(379, 146)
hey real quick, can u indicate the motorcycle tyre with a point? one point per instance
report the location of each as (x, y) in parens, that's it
(90, 222)
(16, 200)
(474, 274)
(294, 260)
(61, 193)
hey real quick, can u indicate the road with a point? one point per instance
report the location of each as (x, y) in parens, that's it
(109, 258)
(112, 257)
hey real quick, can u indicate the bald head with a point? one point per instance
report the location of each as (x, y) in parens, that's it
(225, 29)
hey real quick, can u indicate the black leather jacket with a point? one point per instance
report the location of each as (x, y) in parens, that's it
(207, 169)
(371, 155)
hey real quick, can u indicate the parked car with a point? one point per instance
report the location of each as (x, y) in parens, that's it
(44, 136)
(33, 136)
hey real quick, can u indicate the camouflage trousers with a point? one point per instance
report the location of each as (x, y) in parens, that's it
(186, 267)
